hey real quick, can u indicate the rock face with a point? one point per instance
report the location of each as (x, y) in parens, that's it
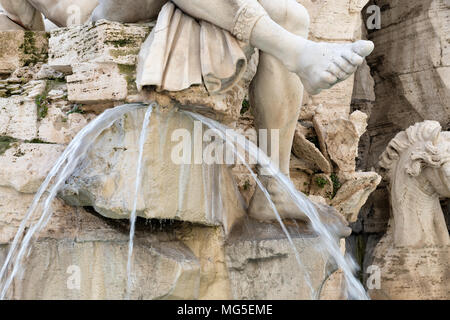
(21, 48)
(85, 258)
(412, 63)
(197, 193)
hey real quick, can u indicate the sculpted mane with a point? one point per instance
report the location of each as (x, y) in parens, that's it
(423, 137)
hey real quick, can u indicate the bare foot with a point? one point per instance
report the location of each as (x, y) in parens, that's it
(321, 65)
(260, 208)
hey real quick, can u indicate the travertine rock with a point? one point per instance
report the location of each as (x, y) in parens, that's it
(354, 193)
(96, 83)
(21, 48)
(190, 262)
(411, 63)
(104, 71)
(14, 206)
(321, 185)
(411, 273)
(309, 154)
(18, 118)
(102, 42)
(339, 136)
(264, 266)
(25, 166)
(60, 127)
(169, 190)
(171, 261)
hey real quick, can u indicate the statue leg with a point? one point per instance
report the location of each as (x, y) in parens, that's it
(22, 13)
(128, 11)
(276, 97)
(276, 93)
(319, 65)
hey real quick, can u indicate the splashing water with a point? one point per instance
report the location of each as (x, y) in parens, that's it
(77, 150)
(62, 170)
(139, 175)
(348, 267)
(264, 190)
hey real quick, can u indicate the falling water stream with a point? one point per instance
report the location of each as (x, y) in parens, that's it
(60, 172)
(139, 174)
(77, 150)
(354, 287)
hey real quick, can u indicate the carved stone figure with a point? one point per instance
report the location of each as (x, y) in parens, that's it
(208, 42)
(414, 254)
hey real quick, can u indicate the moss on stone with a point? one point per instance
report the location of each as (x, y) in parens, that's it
(321, 182)
(6, 143)
(336, 184)
(129, 71)
(38, 141)
(117, 53)
(121, 43)
(76, 109)
(246, 185)
(245, 106)
(42, 100)
(32, 54)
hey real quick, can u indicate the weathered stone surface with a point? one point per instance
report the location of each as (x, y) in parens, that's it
(374, 216)
(102, 42)
(14, 206)
(354, 193)
(18, 118)
(334, 288)
(321, 185)
(21, 48)
(264, 266)
(96, 83)
(171, 261)
(61, 126)
(308, 153)
(411, 62)
(169, 190)
(104, 71)
(25, 166)
(340, 137)
(187, 261)
(412, 273)
(325, 14)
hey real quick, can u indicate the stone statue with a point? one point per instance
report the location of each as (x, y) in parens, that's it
(414, 253)
(208, 42)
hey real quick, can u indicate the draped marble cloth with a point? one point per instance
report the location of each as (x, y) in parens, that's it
(181, 52)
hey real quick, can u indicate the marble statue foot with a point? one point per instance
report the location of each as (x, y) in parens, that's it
(321, 65)
(260, 208)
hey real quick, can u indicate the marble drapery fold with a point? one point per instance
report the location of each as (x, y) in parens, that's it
(181, 52)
